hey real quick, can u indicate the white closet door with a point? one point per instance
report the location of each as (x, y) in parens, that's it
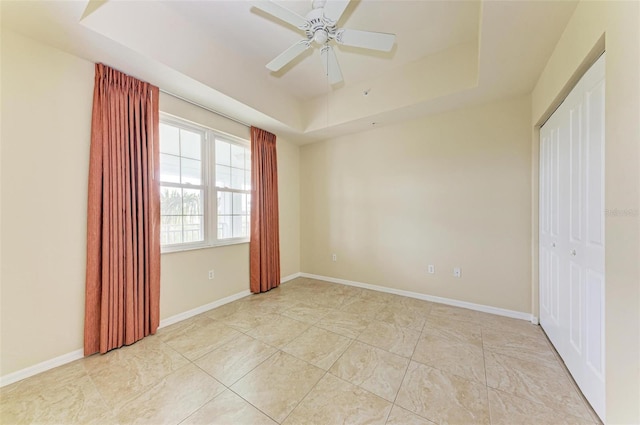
(552, 147)
(572, 233)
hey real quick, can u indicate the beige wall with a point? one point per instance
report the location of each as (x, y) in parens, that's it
(582, 40)
(449, 190)
(184, 283)
(289, 206)
(46, 116)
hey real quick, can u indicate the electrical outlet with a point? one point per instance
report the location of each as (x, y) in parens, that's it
(211, 274)
(457, 272)
(334, 257)
(432, 269)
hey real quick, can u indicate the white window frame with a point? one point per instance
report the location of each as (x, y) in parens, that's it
(210, 202)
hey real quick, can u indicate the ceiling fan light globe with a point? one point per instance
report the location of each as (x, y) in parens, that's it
(320, 37)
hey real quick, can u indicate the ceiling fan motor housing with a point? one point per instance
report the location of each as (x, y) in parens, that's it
(318, 30)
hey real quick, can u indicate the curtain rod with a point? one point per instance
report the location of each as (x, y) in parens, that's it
(206, 108)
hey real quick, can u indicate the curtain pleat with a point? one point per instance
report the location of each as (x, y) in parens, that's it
(264, 247)
(123, 214)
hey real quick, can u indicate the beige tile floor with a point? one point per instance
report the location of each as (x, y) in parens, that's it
(312, 352)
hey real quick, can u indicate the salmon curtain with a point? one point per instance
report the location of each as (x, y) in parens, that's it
(264, 248)
(123, 214)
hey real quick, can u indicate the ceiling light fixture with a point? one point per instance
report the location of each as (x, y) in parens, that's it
(320, 36)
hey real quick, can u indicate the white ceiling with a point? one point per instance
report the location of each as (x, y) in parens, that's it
(426, 27)
(448, 54)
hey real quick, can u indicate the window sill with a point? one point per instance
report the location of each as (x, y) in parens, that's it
(176, 249)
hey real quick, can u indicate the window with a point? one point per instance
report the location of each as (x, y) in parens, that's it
(233, 183)
(205, 186)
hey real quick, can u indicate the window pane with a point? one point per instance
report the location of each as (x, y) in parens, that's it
(223, 176)
(237, 178)
(238, 227)
(224, 226)
(169, 139)
(190, 143)
(246, 225)
(239, 203)
(192, 200)
(247, 180)
(191, 171)
(224, 202)
(247, 160)
(169, 168)
(193, 229)
(170, 201)
(237, 156)
(171, 230)
(223, 153)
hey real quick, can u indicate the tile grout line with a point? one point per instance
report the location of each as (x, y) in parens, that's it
(111, 408)
(594, 416)
(206, 402)
(540, 402)
(306, 394)
(254, 406)
(237, 380)
(486, 380)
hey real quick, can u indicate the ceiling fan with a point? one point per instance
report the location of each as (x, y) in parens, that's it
(320, 27)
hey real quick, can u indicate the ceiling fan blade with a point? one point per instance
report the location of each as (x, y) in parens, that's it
(288, 55)
(366, 39)
(331, 66)
(281, 13)
(333, 9)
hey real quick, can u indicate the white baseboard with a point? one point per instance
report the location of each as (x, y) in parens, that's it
(78, 354)
(198, 310)
(448, 301)
(40, 367)
(194, 312)
(290, 277)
